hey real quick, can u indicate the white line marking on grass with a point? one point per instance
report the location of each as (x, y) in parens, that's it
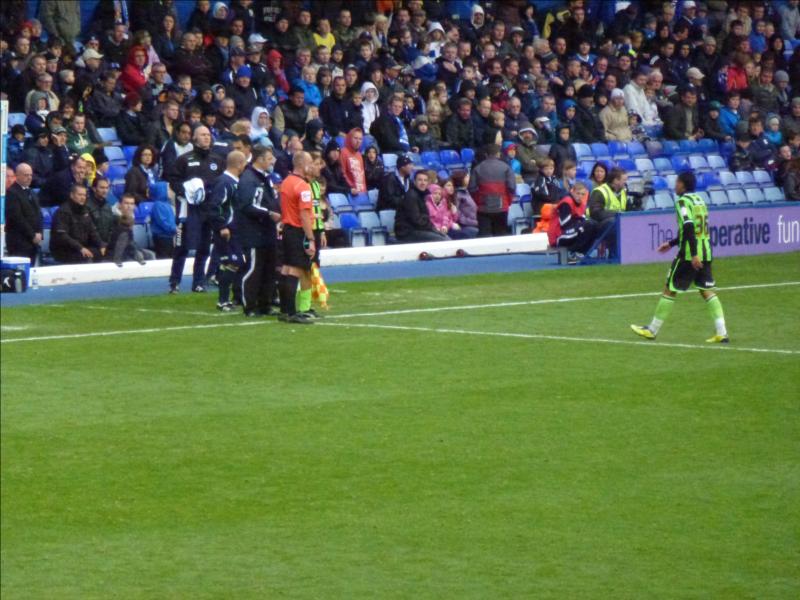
(165, 311)
(561, 338)
(411, 311)
(71, 336)
(13, 327)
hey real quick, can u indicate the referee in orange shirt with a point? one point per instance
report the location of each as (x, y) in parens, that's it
(298, 237)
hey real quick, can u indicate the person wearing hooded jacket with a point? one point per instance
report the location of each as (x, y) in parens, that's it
(243, 93)
(369, 104)
(562, 149)
(133, 77)
(335, 182)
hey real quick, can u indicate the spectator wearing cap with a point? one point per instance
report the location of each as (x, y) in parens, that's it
(636, 98)
(683, 120)
(394, 185)
(615, 118)
(237, 58)
(695, 77)
(588, 126)
(259, 77)
(39, 155)
(131, 126)
(242, 92)
(105, 103)
(292, 113)
(89, 66)
(764, 93)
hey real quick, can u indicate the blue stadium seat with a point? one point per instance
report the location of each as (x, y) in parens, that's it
(649, 203)
(659, 183)
(430, 159)
(688, 147)
(618, 149)
(523, 189)
(698, 163)
(626, 164)
(118, 187)
(663, 165)
(737, 196)
(340, 141)
(128, 152)
(467, 157)
(754, 195)
(108, 135)
(387, 219)
(140, 235)
(338, 201)
(706, 198)
(586, 166)
(745, 178)
(715, 161)
(115, 155)
(707, 145)
(671, 179)
(636, 150)
(451, 160)
(517, 219)
(664, 200)
(443, 175)
(669, 147)
(389, 161)
(762, 177)
(728, 179)
(47, 218)
(378, 234)
(718, 197)
(654, 148)
(726, 149)
(373, 195)
(601, 151)
(774, 194)
(356, 235)
(415, 158)
(680, 163)
(116, 171)
(582, 151)
(711, 180)
(367, 142)
(362, 202)
(16, 119)
(700, 182)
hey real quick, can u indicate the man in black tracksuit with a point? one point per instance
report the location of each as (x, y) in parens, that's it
(256, 210)
(191, 178)
(219, 207)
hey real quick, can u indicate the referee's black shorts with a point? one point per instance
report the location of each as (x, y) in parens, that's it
(682, 275)
(294, 248)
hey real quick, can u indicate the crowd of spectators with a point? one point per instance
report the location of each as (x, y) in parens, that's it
(503, 78)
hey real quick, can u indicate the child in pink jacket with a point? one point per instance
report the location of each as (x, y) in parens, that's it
(439, 209)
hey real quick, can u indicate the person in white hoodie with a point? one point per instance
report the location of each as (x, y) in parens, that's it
(369, 94)
(636, 99)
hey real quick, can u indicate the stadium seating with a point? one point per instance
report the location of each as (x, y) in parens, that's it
(737, 196)
(659, 183)
(705, 197)
(645, 166)
(108, 135)
(389, 161)
(664, 200)
(774, 194)
(654, 148)
(715, 161)
(669, 148)
(680, 163)
(378, 234)
(387, 219)
(361, 202)
(451, 160)
(601, 152)
(467, 156)
(718, 198)
(627, 165)
(367, 142)
(726, 149)
(115, 155)
(663, 165)
(128, 152)
(523, 192)
(707, 146)
(415, 158)
(618, 149)
(517, 219)
(688, 147)
(16, 119)
(338, 202)
(728, 180)
(762, 177)
(636, 150)
(671, 179)
(430, 160)
(116, 171)
(754, 195)
(698, 163)
(356, 235)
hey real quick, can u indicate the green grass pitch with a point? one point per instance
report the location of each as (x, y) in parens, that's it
(527, 449)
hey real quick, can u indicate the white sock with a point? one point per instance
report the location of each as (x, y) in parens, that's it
(655, 325)
(720, 325)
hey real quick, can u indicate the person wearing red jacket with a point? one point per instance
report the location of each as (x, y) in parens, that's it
(353, 162)
(134, 73)
(569, 227)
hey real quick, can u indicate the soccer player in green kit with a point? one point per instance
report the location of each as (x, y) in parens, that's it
(691, 265)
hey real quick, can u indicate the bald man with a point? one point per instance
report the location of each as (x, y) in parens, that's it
(298, 241)
(220, 214)
(23, 216)
(191, 177)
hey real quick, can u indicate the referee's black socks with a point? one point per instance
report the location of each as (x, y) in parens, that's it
(288, 291)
